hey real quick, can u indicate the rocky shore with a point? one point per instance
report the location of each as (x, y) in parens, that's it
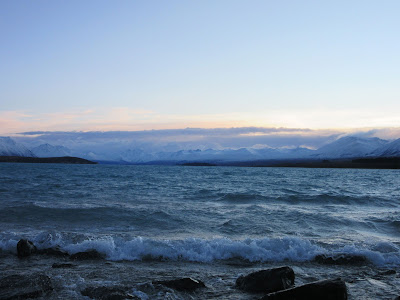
(266, 284)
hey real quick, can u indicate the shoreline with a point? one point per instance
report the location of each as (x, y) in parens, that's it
(379, 163)
(144, 279)
(46, 160)
(353, 163)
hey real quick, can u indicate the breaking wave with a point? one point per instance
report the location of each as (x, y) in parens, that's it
(207, 250)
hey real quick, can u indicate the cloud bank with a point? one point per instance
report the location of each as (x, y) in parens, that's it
(195, 138)
(128, 119)
(182, 139)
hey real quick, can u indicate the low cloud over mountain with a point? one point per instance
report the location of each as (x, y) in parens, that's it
(196, 144)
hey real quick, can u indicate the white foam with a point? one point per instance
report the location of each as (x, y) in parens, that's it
(201, 250)
(141, 295)
(9, 245)
(208, 250)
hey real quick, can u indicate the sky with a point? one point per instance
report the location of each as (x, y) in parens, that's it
(156, 65)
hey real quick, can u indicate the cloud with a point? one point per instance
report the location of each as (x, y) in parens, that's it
(12, 121)
(389, 133)
(85, 119)
(225, 130)
(178, 139)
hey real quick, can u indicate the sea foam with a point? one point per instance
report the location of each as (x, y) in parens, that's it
(208, 250)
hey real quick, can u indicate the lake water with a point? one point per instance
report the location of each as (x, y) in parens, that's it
(211, 223)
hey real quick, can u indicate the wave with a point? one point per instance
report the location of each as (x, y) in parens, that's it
(336, 199)
(206, 250)
(290, 196)
(252, 219)
(89, 214)
(241, 198)
(388, 221)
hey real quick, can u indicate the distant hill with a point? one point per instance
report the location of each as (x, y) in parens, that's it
(51, 160)
(360, 163)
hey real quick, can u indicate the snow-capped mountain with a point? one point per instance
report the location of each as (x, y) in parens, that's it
(295, 153)
(241, 154)
(350, 146)
(345, 147)
(136, 156)
(8, 147)
(47, 150)
(389, 150)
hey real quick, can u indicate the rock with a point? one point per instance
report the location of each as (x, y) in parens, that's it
(341, 259)
(62, 266)
(396, 298)
(325, 289)
(24, 286)
(388, 272)
(381, 275)
(267, 281)
(25, 248)
(107, 293)
(53, 252)
(182, 284)
(87, 255)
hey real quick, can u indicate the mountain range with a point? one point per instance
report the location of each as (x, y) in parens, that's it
(342, 148)
(8, 147)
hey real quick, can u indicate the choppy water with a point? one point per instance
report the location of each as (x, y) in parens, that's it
(204, 215)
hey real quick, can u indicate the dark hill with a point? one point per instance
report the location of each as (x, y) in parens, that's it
(44, 160)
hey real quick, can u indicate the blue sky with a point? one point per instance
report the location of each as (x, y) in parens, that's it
(139, 65)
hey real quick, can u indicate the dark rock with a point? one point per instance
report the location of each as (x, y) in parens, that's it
(107, 293)
(53, 252)
(182, 284)
(62, 266)
(25, 248)
(388, 272)
(267, 281)
(87, 255)
(396, 298)
(341, 259)
(325, 289)
(381, 275)
(24, 286)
